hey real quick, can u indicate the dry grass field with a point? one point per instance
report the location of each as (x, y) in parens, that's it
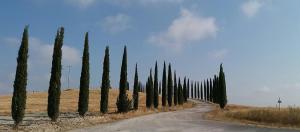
(265, 116)
(37, 102)
(36, 111)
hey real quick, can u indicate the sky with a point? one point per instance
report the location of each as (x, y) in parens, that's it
(256, 40)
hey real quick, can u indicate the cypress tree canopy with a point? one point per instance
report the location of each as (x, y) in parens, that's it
(155, 100)
(184, 90)
(170, 86)
(105, 83)
(136, 89)
(175, 90)
(83, 102)
(123, 103)
(19, 94)
(222, 86)
(55, 84)
(164, 86)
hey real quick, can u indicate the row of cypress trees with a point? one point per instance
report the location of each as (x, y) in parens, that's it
(211, 90)
(176, 93)
(172, 93)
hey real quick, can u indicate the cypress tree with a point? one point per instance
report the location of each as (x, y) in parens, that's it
(155, 100)
(207, 90)
(192, 90)
(204, 94)
(164, 86)
(215, 89)
(175, 90)
(105, 83)
(188, 88)
(123, 103)
(195, 89)
(149, 91)
(136, 89)
(83, 103)
(222, 86)
(184, 90)
(201, 92)
(198, 90)
(180, 93)
(211, 90)
(55, 84)
(170, 86)
(19, 95)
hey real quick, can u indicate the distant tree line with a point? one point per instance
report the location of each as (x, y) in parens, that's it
(172, 89)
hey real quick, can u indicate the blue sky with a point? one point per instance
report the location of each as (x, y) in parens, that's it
(257, 41)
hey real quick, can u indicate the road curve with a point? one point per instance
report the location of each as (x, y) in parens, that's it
(189, 120)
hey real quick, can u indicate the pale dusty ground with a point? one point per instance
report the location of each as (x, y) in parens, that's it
(188, 120)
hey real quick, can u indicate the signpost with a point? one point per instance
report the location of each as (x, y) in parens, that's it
(279, 102)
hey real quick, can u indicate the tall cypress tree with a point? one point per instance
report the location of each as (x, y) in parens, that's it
(175, 90)
(207, 90)
(215, 94)
(155, 100)
(195, 89)
(136, 87)
(204, 94)
(19, 95)
(123, 103)
(198, 90)
(164, 86)
(192, 90)
(201, 92)
(180, 93)
(170, 86)
(55, 84)
(222, 86)
(211, 90)
(188, 88)
(83, 103)
(105, 83)
(184, 90)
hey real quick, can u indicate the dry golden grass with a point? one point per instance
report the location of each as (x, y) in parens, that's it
(37, 102)
(266, 116)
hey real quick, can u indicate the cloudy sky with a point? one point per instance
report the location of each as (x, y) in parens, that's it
(257, 41)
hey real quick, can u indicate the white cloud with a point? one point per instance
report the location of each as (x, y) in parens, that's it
(116, 24)
(251, 7)
(219, 54)
(81, 3)
(41, 52)
(186, 29)
(264, 89)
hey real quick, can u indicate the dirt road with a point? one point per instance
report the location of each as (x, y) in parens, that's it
(190, 120)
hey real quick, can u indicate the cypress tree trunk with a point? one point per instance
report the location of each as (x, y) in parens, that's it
(155, 100)
(55, 84)
(164, 87)
(19, 95)
(222, 85)
(136, 90)
(105, 83)
(170, 86)
(175, 90)
(83, 103)
(123, 103)
(184, 90)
